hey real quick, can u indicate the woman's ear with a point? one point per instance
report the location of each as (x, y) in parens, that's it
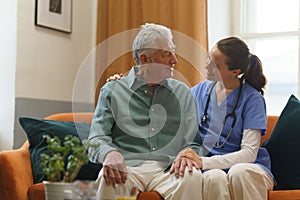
(236, 72)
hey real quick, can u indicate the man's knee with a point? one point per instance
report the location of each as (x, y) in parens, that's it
(195, 176)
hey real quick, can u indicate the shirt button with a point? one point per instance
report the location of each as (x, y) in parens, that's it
(152, 129)
(146, 91)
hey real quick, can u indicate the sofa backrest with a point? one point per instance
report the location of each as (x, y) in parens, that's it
(87, 117)
(271, 122)
(72, 117)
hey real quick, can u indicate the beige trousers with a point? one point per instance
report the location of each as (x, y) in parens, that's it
(149, 176)
(244, 181)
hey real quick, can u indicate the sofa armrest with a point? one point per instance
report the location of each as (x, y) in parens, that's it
(15, 173)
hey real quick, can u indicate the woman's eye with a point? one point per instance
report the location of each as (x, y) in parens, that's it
(209, 61)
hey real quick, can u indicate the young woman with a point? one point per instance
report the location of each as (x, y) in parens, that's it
(232, 117)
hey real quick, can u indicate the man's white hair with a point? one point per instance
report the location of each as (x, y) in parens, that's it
(151, 36)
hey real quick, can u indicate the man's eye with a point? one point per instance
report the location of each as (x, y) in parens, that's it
(167, 54)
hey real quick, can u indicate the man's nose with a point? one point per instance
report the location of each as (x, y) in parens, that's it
(173, 59)
(207, 66)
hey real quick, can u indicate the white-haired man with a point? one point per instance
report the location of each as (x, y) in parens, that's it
(142, 122)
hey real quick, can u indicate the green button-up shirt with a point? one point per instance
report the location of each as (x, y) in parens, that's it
(144, 123)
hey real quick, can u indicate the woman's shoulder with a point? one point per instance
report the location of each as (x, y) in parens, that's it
(202, 86)
(250, 90)
(250, 94)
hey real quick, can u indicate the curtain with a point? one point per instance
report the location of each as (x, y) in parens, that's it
(119, 21)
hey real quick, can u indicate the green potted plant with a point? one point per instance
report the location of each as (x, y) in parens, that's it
(62, 165)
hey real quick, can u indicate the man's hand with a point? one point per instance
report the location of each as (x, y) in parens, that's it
(186, 158)
(114, 168)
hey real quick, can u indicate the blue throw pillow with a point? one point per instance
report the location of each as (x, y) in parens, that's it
(35, 129)
(283, 146)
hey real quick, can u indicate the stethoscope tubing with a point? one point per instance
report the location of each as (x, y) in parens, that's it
(231, 114)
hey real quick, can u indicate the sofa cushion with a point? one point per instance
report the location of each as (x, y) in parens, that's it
(35, 129)
(283, 146)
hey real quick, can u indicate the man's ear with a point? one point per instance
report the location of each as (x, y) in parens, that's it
(143, 58)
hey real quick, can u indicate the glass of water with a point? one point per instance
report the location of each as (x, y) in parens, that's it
(85, 190)
(125, 192)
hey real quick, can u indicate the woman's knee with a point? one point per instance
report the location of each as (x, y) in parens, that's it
(244, 172)
(241, 169)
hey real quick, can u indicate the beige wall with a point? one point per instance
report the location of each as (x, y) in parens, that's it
(8, 23)
(48, 60)
(41, 65)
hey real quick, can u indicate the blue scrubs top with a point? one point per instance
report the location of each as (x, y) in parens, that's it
(250, 114)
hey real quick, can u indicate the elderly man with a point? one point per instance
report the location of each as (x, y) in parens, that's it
(143, 120)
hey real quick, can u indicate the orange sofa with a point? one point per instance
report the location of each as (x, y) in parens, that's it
(16, 181)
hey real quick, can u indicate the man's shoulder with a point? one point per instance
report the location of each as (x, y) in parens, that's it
(109, 85)
(117, 87)
(177, 84)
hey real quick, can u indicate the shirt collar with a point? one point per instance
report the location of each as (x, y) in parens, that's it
(135, 82)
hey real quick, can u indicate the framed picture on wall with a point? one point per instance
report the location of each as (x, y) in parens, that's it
(54, 14)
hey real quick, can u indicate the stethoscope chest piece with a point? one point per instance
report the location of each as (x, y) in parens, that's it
(203, 118)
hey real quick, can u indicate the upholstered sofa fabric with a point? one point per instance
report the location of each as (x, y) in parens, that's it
(16, 183)
(36, 129)
(283, 146)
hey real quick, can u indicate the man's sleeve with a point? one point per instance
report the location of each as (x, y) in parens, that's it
(101, 126)
(192, 123)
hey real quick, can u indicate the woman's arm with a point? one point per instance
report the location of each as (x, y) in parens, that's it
(247, 154)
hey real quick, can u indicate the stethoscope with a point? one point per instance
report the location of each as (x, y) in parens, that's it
(231, 114)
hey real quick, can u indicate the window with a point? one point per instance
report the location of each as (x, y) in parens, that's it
(271, 28)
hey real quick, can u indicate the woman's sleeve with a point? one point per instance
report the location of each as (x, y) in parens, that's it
(247, 154)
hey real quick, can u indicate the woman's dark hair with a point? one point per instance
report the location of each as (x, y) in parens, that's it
(239, 57)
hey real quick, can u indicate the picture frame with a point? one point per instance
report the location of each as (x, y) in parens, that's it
(54, 14)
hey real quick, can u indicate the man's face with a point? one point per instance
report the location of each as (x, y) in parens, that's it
(160, 63)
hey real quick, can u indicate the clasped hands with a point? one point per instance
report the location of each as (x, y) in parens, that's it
(185, 158)
(115, 171)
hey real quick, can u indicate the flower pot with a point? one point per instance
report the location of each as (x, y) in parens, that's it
(58, 190)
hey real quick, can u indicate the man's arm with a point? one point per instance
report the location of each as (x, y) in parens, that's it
(114, 168)
(191, 120)
(101, 126)
(191, 135)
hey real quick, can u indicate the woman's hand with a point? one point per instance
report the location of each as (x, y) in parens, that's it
(186, 158)
(114, 77)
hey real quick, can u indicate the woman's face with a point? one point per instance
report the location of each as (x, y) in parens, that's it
(217, 69)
